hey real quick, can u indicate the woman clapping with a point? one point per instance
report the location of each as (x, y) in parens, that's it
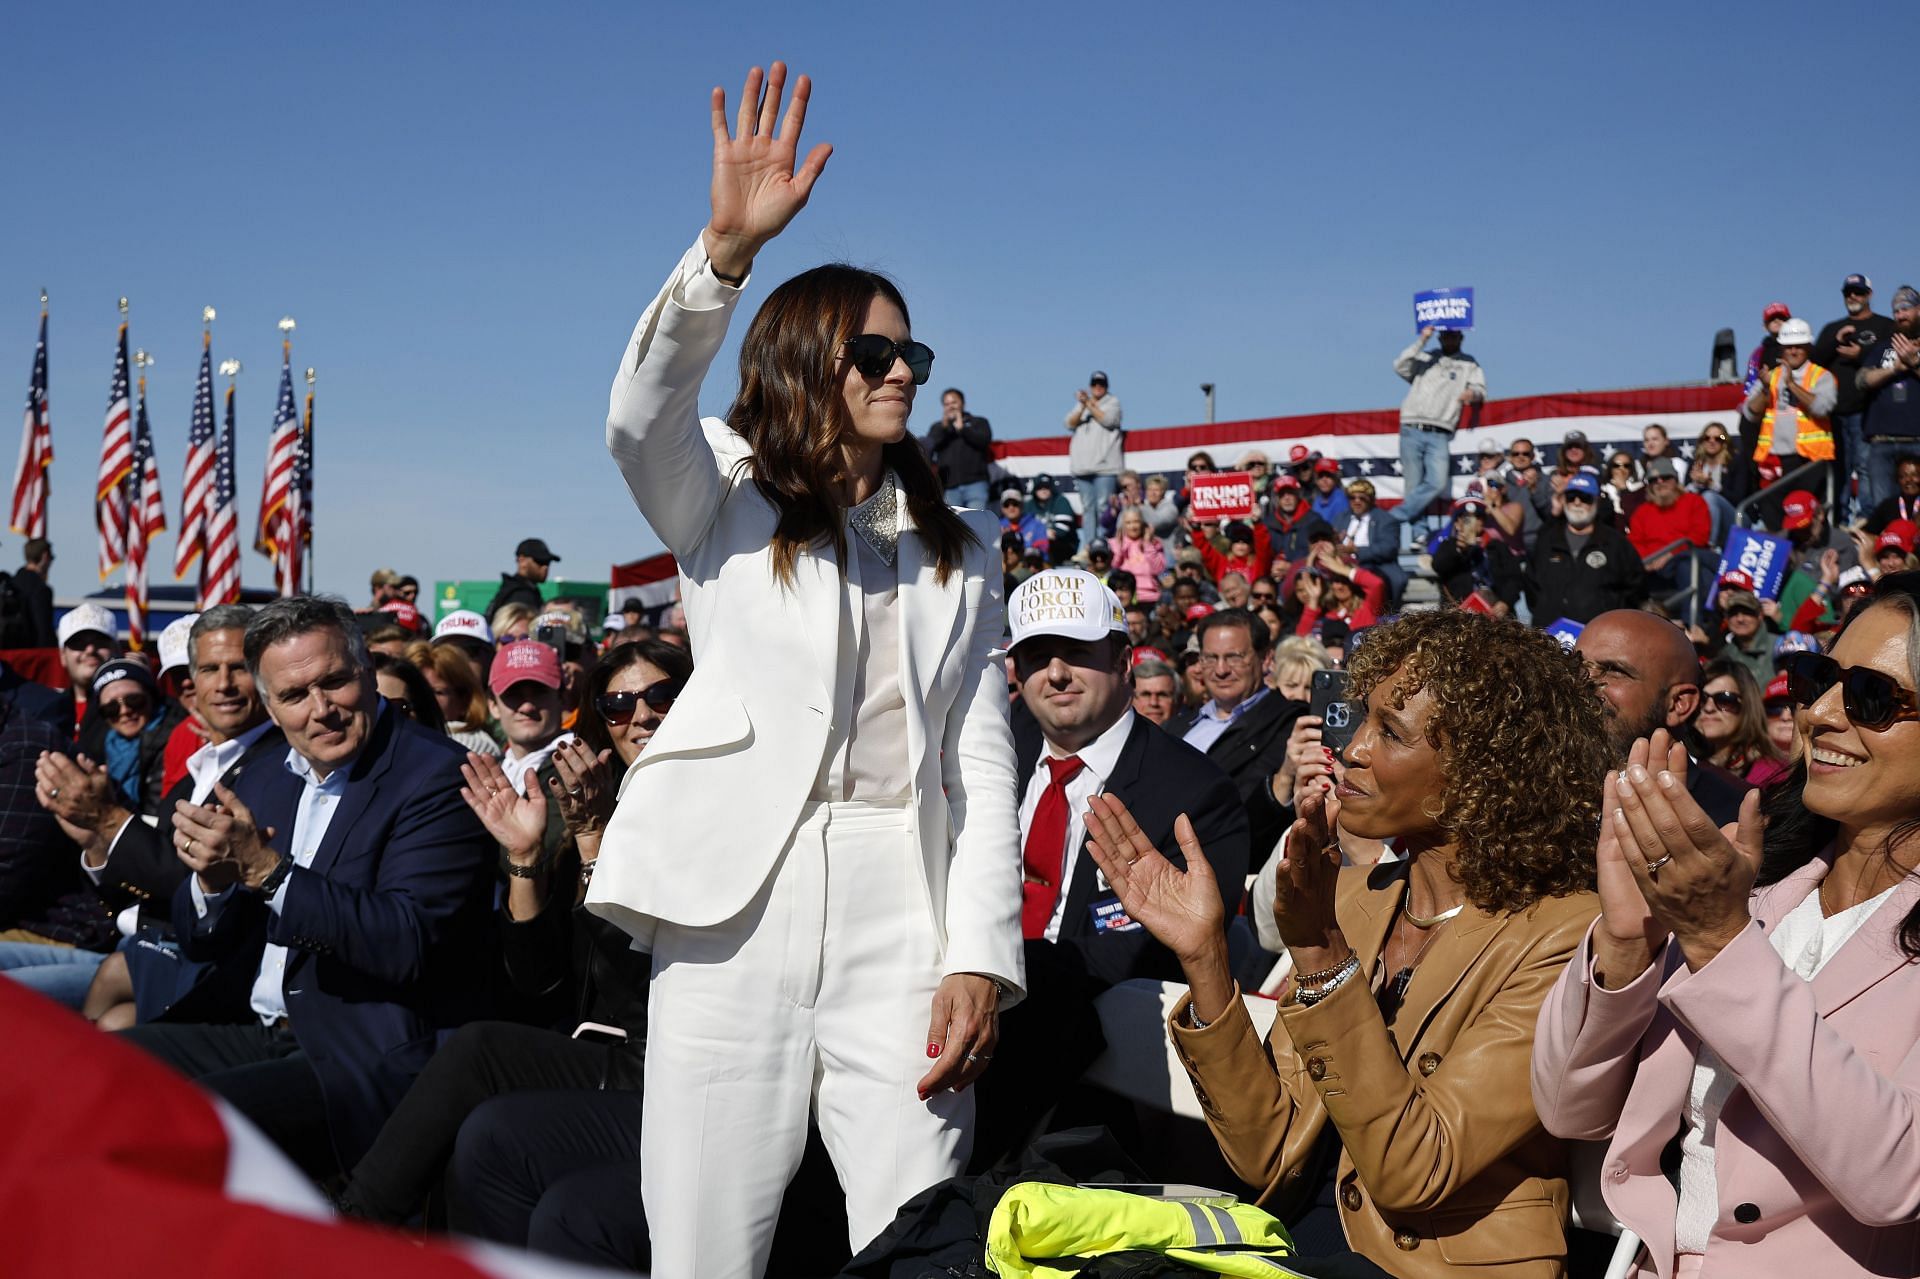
(1769, 1037)
(1405, 1036)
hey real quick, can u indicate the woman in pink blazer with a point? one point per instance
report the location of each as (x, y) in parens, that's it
(1751, 1057)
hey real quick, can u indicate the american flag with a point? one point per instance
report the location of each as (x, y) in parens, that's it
(272, 535)
(36, 449)
(198, 479)
(116, 459)
(299, 512)
(146, 516)
(220, 567)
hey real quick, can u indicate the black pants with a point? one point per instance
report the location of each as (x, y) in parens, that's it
(261, 1073)
(560, 1173)
(483, 1060)
(1047, 1041)
(552, 1170)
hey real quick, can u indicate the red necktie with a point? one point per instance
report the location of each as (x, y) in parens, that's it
(1046, 851)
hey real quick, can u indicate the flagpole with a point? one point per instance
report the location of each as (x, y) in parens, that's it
(137, 604)
(306, 504)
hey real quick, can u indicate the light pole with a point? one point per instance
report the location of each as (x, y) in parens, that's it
(1206, 389)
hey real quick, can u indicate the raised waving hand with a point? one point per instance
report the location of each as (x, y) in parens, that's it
(756, 188)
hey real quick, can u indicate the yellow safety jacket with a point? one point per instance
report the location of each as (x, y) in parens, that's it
(1037, 1223)
(1814, 439)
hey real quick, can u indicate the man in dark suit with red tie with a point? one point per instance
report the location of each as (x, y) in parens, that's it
(1078, 738)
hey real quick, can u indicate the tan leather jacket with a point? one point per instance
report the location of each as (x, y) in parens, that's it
(1444, 1167)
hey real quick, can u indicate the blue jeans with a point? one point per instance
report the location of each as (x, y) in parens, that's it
(972, 496)
(1426, 468)
(1853, 448)
(61, 973)
(1094, 492)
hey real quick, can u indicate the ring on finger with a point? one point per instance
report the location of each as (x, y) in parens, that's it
(972, 1057)
(1653, 868)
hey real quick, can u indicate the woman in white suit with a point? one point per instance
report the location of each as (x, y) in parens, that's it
(820, 846)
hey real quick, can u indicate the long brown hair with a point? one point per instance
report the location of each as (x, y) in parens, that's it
(790, 413)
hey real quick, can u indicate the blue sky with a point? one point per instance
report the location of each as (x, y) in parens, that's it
(466, 207)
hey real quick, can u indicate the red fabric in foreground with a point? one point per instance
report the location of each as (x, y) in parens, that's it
(113, 1161)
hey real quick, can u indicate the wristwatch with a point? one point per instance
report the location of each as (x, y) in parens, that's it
(276, 877)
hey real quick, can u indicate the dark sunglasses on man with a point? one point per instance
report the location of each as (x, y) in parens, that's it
(1872, 700)
(873, 354)
(619, 708)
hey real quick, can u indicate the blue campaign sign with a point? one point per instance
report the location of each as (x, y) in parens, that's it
(1567, 631)
(1443, 309)
(1760, 556)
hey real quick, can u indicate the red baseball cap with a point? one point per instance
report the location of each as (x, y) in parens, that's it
(1146, 653)
(1897, 533)
(524, 660)
(1197, 611)
(1326, 466)
(1736, 580)
(1777, 688)
(1285, 482)
(1776, 311)
(1298, 454)
(403, 614)
(1798, 510)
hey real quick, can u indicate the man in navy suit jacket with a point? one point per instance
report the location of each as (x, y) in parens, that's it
(349, 880)
(1071, 655)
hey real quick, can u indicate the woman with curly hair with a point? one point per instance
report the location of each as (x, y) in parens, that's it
(1403, 1041)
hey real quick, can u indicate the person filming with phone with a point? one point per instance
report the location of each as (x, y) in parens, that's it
(1405, 1033)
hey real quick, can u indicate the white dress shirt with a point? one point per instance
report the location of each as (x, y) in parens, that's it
(866, 757)
(1100, 756)
(319, 799)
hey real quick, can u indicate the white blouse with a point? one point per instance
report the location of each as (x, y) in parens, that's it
(1805, 939)
(866, 756)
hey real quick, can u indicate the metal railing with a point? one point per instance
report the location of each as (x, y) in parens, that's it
(1779, 489)
(1688, 595)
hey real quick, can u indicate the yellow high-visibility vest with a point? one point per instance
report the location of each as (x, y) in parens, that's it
(1037, 1223)
(1814, 439)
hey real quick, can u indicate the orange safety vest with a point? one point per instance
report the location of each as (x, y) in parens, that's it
(1814, 439)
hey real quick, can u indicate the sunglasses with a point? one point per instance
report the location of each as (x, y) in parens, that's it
(1266, 595)
(1519, 453)
(1872, 700)
(874, 355)
(1716, 439)
(618, 708)
(1725, 700)
(135, 705)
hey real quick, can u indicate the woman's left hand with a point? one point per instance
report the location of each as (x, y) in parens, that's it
(965, 1028)
(1696, 878)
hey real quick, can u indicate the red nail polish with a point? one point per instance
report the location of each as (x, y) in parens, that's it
(933, 1050)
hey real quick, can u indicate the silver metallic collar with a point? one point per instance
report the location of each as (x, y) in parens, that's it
(877, 519)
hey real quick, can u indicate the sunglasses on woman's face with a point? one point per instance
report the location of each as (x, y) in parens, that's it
(618, 708)
(1726, 700)
(874, 354)
(1872, 700)
(133, 704)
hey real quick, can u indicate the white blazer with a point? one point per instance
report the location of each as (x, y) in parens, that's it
(705, 812)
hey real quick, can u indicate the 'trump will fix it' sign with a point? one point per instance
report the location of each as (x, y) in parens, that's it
(1226, 495)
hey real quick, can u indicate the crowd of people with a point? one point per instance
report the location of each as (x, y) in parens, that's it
(585, 936)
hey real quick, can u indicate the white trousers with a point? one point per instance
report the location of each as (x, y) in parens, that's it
(818, 995)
